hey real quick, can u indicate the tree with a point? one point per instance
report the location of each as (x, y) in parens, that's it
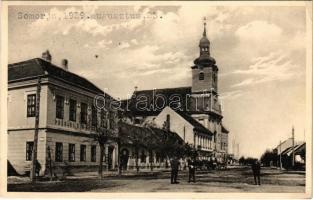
(130, 134)
(268, 158)
(171, 145)
(102, 136)
(242, 160)
(246, 161)
(108, 128)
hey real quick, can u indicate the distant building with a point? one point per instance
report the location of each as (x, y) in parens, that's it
(141, 144)
(200, 101)
(299, 152)
(67, 117)
(285, 151)
(189, 129)
(285, 145)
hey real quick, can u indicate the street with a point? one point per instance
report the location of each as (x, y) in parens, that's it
(230, 180)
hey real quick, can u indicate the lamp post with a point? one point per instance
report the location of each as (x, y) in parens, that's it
(293, 147)
(280, 164)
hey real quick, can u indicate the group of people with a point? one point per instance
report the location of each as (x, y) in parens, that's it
(175, 167)
(256, 169)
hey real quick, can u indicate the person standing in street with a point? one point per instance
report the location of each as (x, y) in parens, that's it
(256, 169)
(174, 171)
(192, 171)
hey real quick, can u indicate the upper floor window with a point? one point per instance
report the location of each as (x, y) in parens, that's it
(59, 107)
(31, 105)
(58, 152)
(72, 110)
(201, 76)
(83, 113)
(94, 116)
(71, 152)
(29, 150)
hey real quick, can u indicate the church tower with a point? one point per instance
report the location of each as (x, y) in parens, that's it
(205, 105)
(204, 78)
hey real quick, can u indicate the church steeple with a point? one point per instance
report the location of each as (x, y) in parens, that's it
(204, 72)
(204, 43)
(204, 46)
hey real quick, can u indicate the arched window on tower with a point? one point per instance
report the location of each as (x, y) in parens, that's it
(201, 76)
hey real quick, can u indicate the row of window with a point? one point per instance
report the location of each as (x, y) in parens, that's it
(31, 109)
(204, 142)
(143, 157)
(71, 152)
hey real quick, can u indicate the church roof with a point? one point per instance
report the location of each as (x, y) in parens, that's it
(204, 41)
(224, 130)
(205, 60)
(145, 136)
(37, 67)
(154, 99)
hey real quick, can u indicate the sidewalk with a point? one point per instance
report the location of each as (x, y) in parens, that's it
(90, 175)
(128, 173)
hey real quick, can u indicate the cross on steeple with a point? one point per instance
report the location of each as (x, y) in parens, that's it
(204, 24)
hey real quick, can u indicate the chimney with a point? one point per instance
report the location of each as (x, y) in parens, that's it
(168, 122)
(64, 64)
(46, 56)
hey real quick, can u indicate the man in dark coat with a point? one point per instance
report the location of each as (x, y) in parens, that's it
(256, 169)
(192, 171)
(174, 171)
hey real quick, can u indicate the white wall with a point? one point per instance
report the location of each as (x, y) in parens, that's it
(177, 124)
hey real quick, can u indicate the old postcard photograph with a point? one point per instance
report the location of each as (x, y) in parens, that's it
(156, 99)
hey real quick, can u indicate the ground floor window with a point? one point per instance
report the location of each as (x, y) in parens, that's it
(93, 153)
(29, 150)
(71, 152)
(58, 152)
(82, 152)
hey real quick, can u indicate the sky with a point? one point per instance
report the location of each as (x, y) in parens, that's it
(260, 52)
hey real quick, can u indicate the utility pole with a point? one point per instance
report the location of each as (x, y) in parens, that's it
(238, 150)
(34, 153)
(293, 146)
(280, 164)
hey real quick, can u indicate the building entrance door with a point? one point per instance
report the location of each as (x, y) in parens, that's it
(110, 157)
(124, 158)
